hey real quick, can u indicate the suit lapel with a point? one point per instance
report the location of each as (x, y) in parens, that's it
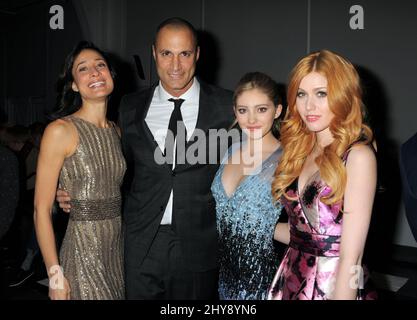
(204, 114)
(140, 117)
(204, 121)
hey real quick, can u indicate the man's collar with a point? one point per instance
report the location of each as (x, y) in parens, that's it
(191, 95)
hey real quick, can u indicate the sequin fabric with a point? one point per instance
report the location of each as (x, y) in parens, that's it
(92, 250)
(88, 210)
(245, 223)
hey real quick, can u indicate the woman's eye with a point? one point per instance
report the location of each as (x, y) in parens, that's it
(300, 94)
(263, 109)
(101, 65)
(241, 111)
(322, 94)
(82, 69)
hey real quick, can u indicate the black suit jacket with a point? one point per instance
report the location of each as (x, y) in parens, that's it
(194, 215)
(408, 168)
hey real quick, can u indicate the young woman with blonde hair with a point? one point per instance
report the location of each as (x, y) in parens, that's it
(246, 213)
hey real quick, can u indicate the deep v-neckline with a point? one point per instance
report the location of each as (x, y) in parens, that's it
(306, 183)
(244, 178)
(241, 182)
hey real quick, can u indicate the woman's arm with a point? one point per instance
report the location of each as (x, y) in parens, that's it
(358, 201)
(282, 232)
(57, 143)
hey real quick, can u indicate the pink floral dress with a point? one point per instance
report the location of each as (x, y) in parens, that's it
(308, 269)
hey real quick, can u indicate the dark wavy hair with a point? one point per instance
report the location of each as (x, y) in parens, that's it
(68, 100)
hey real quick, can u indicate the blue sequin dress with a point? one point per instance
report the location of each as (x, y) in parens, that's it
(245, 223)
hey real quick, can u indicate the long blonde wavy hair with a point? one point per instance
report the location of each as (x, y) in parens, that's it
(344, 95)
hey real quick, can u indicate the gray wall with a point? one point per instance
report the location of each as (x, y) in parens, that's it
(265, 35)
(33, 54)
(257, 36)
(386, 52)
(271, 36)
(3, 73)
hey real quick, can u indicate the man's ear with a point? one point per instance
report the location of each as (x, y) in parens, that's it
(74, 87)
(197, 53)
(153, 52)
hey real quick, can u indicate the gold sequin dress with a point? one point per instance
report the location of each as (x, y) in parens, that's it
(92, 250)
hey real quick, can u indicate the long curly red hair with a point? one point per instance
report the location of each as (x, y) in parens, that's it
(347, 126)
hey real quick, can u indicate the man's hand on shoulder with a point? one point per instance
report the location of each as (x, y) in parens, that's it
(63, 199)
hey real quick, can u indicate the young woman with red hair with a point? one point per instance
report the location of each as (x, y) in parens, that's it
(326, 180)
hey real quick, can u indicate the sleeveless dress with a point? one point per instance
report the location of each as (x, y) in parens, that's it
(245, 223)
(308, 269)
(91, 254)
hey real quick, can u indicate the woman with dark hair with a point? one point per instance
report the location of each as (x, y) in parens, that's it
(81, 151)
(326, 180)
(70, 100)
(246, 213)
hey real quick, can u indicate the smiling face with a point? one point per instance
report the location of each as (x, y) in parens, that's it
(312, 103)
(255, 112)
(176, 56)
(92, 77)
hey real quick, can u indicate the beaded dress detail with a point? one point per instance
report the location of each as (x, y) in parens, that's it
(92, 250)
(245, 223)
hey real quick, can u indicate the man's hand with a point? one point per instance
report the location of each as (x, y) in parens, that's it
(63, 199)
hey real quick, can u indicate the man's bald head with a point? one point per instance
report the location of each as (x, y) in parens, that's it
(176, 23)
